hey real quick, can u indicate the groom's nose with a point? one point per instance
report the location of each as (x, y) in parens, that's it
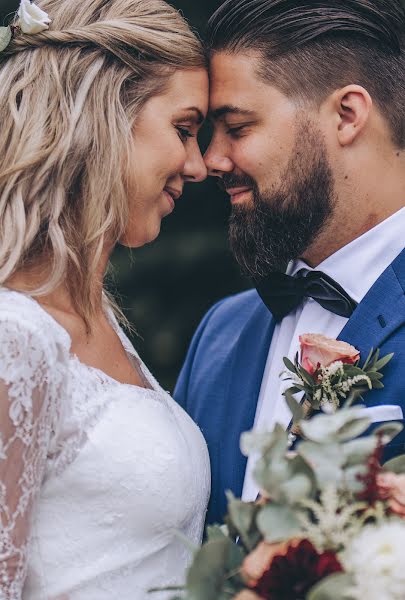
(217, 162)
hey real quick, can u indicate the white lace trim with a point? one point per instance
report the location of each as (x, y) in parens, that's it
(32, 374)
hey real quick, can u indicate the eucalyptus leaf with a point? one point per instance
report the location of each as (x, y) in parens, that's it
(5, 37)
(243, 516)
(211, 569)
(326, 461)
(352, 477)
(298, 466)
(216, 532)
(255, 441)
(297, 487)
(338, 427)
(278, 523)
(353, 429)
(333, 587)
(274, 443)
(388, 431)
(395, 465)
(270, 475)
(358, 451)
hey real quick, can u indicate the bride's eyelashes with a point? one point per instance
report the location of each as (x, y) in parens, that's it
(184, 134)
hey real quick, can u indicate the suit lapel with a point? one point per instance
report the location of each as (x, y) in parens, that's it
(244, 386)
(381, 312)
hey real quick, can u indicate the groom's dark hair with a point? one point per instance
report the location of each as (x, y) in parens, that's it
(309, 48)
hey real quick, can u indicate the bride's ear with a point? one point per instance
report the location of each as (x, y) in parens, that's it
(352, 106)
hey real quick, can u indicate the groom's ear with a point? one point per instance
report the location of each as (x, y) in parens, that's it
(351, 107)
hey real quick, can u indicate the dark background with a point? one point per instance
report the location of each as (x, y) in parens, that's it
(166, 287)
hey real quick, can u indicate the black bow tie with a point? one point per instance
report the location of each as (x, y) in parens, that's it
(282, 293)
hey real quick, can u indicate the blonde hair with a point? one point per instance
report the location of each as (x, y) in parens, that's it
(68, 100)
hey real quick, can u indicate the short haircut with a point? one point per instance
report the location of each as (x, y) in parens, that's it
(310, 48)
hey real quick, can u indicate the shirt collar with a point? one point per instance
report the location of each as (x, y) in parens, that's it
(358, 265)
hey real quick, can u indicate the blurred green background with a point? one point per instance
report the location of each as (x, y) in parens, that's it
(166, 287)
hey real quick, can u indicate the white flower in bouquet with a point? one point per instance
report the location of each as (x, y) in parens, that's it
(376, 558)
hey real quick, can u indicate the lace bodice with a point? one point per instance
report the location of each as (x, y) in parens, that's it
(95, 475)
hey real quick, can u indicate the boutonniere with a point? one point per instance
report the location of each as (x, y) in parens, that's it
(328, 373)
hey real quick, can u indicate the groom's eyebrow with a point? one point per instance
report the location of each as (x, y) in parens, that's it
(229, 109)
(197, 113)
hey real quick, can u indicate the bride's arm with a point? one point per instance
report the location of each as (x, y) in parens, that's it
(27, 414)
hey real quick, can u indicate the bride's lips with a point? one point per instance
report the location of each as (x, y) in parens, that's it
(171, 195)
(238, 194)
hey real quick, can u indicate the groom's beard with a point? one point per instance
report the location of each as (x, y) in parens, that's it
(283, 223)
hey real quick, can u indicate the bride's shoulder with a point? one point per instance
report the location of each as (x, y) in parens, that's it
(23, 321)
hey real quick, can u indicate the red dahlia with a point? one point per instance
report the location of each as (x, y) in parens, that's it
(290, 577)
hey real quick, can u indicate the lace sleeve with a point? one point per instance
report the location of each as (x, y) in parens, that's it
(29, 386)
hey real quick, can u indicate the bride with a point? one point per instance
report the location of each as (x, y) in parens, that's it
(100, 102)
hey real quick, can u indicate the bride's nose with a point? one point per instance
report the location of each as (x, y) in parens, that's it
(194, 169)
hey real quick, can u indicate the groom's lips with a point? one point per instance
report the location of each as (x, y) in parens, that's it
(238, 194)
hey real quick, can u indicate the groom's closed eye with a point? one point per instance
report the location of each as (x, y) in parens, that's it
(237, 131)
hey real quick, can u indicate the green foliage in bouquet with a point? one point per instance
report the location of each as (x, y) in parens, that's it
(315, 493)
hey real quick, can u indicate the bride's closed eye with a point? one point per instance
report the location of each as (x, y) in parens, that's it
(184, 134)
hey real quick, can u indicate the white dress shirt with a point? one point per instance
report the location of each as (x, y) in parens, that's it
(356, 267)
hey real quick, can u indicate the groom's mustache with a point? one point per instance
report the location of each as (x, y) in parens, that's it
(229, 180)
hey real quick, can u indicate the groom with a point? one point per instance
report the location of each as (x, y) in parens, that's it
(308, 105)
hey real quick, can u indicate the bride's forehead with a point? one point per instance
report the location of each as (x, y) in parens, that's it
(185, 92)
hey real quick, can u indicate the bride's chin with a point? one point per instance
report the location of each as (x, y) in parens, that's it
(140, 239)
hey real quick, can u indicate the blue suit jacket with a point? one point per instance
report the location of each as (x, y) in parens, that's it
(220, 382)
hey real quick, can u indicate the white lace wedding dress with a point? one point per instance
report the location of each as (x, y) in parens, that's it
(95, 475)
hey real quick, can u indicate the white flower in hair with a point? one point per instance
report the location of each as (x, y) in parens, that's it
(32, 18)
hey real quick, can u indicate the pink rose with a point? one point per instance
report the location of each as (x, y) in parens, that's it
(391, 487)
(319, 350)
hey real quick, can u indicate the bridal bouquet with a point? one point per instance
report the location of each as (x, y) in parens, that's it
(330, 520)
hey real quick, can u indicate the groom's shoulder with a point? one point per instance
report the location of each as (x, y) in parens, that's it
(233, 310)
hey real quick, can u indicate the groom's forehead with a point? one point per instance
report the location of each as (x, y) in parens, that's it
(232, 68)
(236, 88)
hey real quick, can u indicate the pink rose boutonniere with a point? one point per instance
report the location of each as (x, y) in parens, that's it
(328, 374)
(318, 350)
